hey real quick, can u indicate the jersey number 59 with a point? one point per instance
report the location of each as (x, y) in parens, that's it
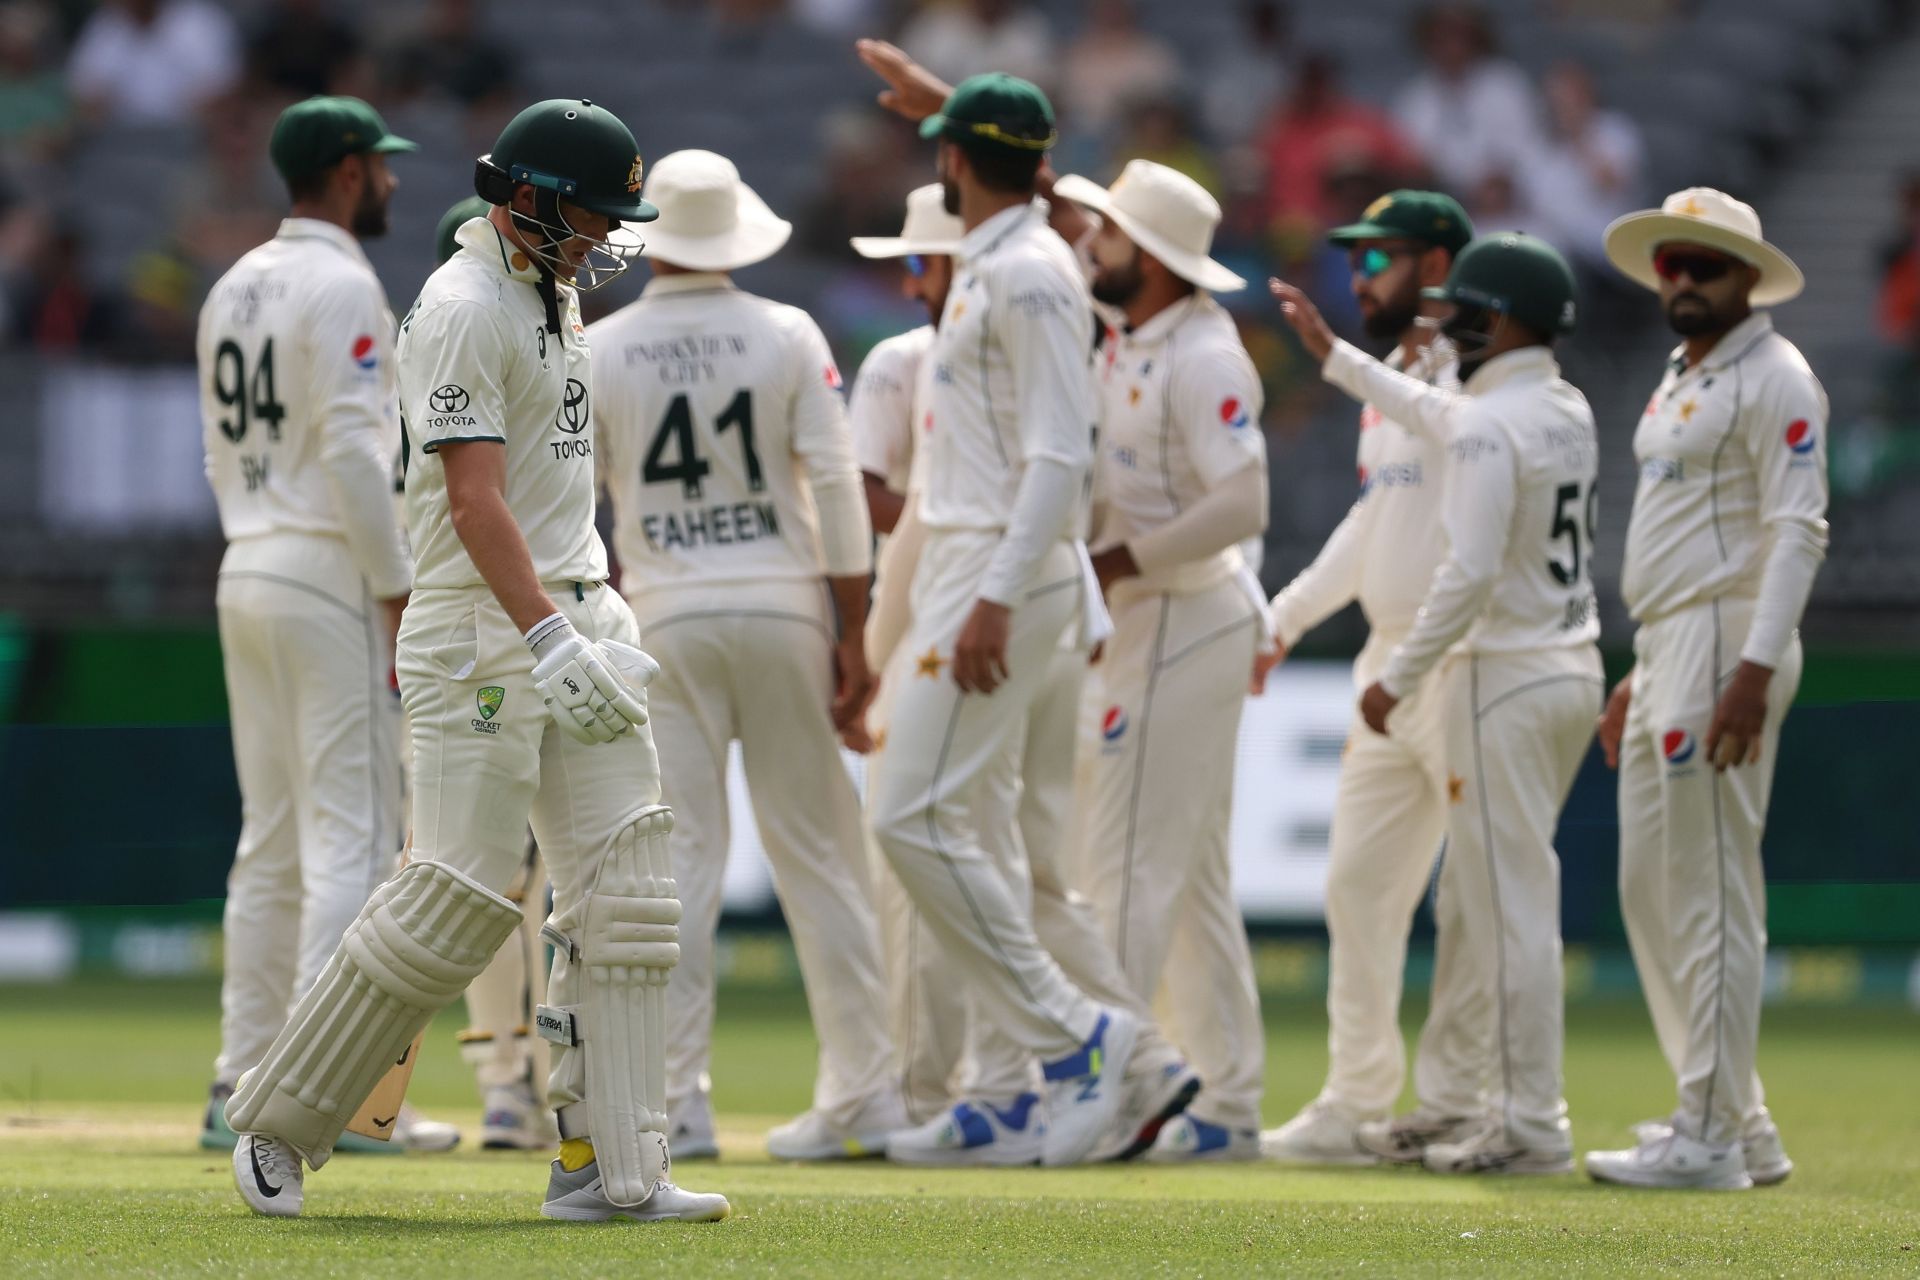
(1564, 526)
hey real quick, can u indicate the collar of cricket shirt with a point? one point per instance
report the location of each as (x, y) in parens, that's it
(320, 229)
(492, 248)
(690, 282)
(986, 237)
(1160, 326)
(1528, 364)
(1736, 342)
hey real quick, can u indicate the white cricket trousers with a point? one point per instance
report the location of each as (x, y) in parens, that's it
(944, 752)
(1163, 709)
(753, 662)
(488, 760)
(1389, 821)
(316, 747)
(1692, 887)
(1518, 726)
(499, 1042)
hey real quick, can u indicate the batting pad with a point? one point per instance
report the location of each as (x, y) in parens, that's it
(421, 938)
(621, 942)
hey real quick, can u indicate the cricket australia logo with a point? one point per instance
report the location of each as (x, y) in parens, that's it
(488, 700)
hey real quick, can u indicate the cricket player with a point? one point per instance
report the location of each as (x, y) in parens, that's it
(1394, 794)
(1180, 482)
(1507, 629)
(946, 1055)
(521, 676)
(295, 353)
(997, 586)
(1728, 529)
(746, 555)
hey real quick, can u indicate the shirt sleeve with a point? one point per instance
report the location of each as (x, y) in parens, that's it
(1785, 434)
(1476, 509)
(824, 443)
(881, 412)
(349, 345)
(462, 357)
(1046, 330)
(1217, 403)
(1327, 585)
(1426, 410)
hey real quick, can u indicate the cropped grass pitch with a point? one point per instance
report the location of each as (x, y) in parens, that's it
(100, 1086)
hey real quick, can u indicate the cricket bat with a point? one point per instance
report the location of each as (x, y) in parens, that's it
(376, 1115)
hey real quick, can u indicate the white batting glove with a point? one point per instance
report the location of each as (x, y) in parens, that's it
(578, 681)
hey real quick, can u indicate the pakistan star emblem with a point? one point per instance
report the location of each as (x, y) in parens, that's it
(490, 699)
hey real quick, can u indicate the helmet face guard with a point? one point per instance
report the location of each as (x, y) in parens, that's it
(547, 227)
(1476, 322)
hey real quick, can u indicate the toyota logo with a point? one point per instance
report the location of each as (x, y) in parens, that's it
(448, 399)
(572, 417)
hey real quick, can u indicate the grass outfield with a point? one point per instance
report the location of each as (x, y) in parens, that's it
(100, 1087)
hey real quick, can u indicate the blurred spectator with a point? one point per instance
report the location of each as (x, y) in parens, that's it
(1498, 203)
(839, 17)
(1589, 169)
(958, 38)
(1111, 63)
(1158, 129)
(302, 49)
(866, 171)
(1246, 79)
(451, 52)
(229, 199)
(1318, 131)
(57, 309)
(148, 62)
(1899, 308)
(1470, 112)
(35, 112)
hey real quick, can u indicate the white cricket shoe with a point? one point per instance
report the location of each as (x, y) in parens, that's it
(1085, 1088)
(580, 1196)
(975, 1133)
(1321, 1134)
(1490, 1150)
(1404, 1139)
(1766, 1155)
(414, 1132)
(267, 1170)
(515, 1119)
(1187, 1139)
(1672, 1159)
(690, 1134)
(1152, 1099)
(814, 1137)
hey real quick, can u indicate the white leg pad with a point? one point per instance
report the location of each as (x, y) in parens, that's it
(421, 938)
(620, 943)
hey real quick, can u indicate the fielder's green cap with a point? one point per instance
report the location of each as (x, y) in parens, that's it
(444, 245)
(998, 108)
(1513, 273)
(1426, 216)
(319, 133)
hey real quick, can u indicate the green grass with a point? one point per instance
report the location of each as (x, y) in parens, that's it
(100, 1087)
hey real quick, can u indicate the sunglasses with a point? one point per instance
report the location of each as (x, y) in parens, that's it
(1373, 261)
(1698, 265)
(916, 265)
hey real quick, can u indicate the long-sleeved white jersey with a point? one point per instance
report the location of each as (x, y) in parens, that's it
(297, 407)
(723, 439)
(1732, 497)
(1519, 504)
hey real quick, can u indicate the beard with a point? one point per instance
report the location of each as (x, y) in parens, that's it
(950, 195)
(1117, 286)
(1391, 319)
(1690, 315)
(370, 218)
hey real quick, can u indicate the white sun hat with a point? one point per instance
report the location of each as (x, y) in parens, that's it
(1166, 213)
(1702, 216)
(929, 228)
(709, 219)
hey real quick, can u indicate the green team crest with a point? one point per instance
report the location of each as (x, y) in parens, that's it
(490, 699)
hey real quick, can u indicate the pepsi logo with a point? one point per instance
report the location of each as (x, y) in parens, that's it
(833, 376)
(1233, 413)
(1370, 418)
(363, 352)
(1800, 436)
(1113, 725)
(1677, 746)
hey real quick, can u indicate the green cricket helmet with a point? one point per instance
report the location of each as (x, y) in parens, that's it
(1506, 275)
(569, 149)
(444, 244)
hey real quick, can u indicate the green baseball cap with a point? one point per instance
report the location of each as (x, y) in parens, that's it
(317, 134)
(998, 108)
(1426, 216)
(1516, 274)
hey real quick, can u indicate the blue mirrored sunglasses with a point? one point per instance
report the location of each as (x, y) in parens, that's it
(916, 265)
(1373, 260)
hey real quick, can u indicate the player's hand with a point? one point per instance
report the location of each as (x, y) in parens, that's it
(1613, 721)
(390, 611)
(591, 690)
(1376, 704)
(1113, 565)
(853, 682)
(912, 90)
(980, 654)
(1315, 334)
(1264, 661)
(1734, 736)
(857, 738)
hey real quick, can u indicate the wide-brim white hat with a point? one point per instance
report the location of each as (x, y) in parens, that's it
(929, 228)
(1163, 211)
(1703, 216)
(709, 219)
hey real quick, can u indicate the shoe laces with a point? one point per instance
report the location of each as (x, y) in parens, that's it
(276, 1158)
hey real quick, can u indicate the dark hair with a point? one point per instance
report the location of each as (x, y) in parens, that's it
(1002, 168)
(309, 186)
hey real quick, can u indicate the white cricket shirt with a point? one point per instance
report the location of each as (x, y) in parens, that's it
(719, 415)
(883, 406)
(1732, 496)
(295, 351)
(477, 363)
